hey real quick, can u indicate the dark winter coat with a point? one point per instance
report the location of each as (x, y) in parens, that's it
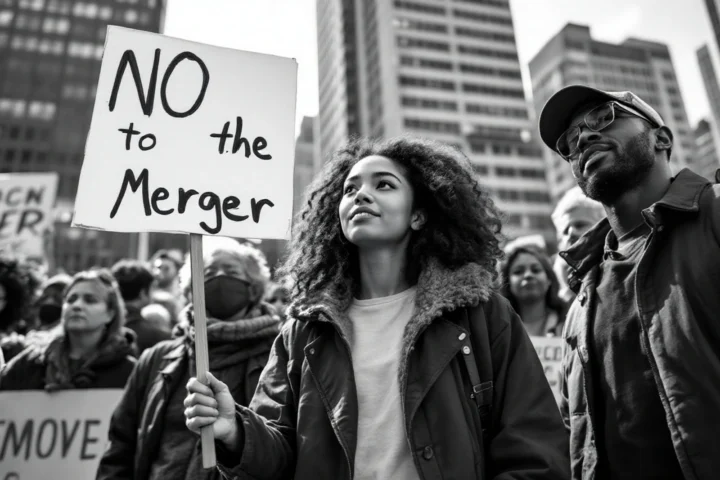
(302, 422)
(678, 303)
(27, 371)
(136, 426)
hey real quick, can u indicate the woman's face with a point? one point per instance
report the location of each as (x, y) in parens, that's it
(377, 203)
(227, 287)
(86, 308)
(528, 280)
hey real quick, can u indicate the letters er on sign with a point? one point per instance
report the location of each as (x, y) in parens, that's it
(189, 138)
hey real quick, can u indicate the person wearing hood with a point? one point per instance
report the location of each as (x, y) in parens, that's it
(399, 360)
(148, 439)
(92, 349)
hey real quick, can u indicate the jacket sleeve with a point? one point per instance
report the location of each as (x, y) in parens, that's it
(529, 440)
(268, 424)
(118, 461)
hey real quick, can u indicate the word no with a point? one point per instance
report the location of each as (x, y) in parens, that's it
(207, 201)
(51, 437)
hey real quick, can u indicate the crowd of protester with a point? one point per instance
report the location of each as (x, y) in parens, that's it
(394, 340)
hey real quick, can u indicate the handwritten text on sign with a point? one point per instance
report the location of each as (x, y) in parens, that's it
(549, 349)
(26, 203)
(57, 435)
(189, 138)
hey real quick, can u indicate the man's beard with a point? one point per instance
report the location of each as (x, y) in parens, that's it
(630, 167)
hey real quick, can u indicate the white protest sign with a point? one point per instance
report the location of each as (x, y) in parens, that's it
(54, 435)
(189, 138)
(26, 204)
(549, 349)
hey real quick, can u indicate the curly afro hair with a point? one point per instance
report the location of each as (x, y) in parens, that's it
(462, 223)
(20, 283)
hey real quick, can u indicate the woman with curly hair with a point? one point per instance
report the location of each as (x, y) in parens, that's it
(398, 359)
(529, 283)
(90, 350)
(18, 283)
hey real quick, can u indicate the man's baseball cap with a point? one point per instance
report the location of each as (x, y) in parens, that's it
(558, 111)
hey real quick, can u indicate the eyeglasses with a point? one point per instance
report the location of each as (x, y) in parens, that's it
(596, 119)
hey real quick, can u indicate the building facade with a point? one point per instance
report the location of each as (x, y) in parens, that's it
(306, 154)
(446, 70)
(643, 67)
(707, 160)
(50, 54)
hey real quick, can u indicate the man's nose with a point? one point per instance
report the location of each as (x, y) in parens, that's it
(586, 137)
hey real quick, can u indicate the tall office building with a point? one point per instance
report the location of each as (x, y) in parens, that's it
(306, 159)
(646, 68)
(50, 52)
(712, 89)
(446, 70)
(707, 159)
(713, 8)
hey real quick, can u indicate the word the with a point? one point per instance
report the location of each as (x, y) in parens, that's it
(207, 201)
(257, 145)
(49, 437)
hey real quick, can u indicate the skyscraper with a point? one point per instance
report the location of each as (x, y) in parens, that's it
(713, 8)
(50, 53)
(646, 68)
(708, 161)
(306, 154)
(446, 70)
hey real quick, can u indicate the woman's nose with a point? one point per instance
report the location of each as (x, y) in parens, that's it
(362, 196)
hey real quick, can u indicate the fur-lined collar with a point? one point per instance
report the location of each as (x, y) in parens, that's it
(439, 290)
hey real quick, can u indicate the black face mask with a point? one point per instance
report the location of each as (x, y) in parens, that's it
(225, 296)
(49, 313)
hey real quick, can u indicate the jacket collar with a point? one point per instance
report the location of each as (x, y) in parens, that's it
(683, 196)
(439, 289)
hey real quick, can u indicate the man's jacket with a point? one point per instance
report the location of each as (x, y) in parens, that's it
(678, 302)
(302, 422)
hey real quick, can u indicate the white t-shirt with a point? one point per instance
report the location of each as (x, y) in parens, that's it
(382, 451)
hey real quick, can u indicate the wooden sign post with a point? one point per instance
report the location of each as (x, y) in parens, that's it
(202, 357)
(189, 138)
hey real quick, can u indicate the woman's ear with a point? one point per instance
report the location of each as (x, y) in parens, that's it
(417, 221)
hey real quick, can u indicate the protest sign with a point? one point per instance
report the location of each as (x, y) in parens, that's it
(26, 205)
(190, 138)
(549, 349)
(54, 435)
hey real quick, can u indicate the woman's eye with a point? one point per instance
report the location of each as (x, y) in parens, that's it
(349, 188)
(385, 183)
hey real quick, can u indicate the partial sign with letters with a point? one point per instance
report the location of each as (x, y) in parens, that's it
(549, 350)
(54, 435)
(189, 138)
(26, 205)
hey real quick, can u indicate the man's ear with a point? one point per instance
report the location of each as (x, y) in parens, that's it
(664, 139)
(418, 220)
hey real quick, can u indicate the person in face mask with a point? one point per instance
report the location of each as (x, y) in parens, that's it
(241, 330)
(49, 304)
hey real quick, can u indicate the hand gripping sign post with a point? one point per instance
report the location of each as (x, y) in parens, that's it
(189, 138)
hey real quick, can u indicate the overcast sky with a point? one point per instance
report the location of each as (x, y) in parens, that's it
(287, 28)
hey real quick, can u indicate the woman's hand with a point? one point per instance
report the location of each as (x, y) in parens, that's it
(211, 405)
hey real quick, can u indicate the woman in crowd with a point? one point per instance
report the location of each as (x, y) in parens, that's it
(148, 437)
(529, 283)
(373, 377)
(278, 296)
(18, 283)
(91, 350)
